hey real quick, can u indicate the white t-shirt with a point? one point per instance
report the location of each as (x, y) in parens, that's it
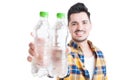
(89, 64)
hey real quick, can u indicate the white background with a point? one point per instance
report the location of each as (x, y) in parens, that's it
(18, 17)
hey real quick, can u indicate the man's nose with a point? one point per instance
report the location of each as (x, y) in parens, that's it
(80, 27)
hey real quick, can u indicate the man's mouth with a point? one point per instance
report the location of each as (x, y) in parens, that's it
(79, 33)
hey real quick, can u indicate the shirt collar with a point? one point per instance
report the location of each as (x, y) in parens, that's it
(76, 47)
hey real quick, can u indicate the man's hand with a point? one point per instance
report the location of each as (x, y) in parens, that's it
(31, 51)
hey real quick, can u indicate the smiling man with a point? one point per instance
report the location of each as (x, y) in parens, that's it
(86, 61)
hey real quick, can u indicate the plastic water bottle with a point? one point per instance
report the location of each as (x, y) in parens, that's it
(59, 55)
(42, 46)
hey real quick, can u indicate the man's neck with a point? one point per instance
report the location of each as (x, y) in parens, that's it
(85, 48)
(83, 45)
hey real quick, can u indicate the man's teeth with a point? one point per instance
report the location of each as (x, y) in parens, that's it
(80, 33)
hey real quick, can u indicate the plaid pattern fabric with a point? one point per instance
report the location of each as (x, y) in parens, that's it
(77, 70)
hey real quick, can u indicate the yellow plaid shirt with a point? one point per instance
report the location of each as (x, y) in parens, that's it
(77, 70)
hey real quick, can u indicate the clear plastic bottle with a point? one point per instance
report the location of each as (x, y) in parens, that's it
(42, 46)
(59, 55)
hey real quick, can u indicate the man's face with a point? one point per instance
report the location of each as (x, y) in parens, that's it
(79, 26)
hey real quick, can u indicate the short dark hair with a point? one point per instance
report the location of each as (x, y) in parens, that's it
(77, 8)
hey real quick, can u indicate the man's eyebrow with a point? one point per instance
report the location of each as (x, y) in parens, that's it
(85, 20)
(74, 22)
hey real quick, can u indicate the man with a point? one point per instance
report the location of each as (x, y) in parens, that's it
(86, 62)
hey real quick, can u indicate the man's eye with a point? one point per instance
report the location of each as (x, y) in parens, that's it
(84, 22)
(73, 24)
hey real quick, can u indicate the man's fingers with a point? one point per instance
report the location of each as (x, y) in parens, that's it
(31, 45)
(29, 58)
(32, 34)
(31, 52)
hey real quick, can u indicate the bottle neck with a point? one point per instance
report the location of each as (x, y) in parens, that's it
(62, 20)
(44, 18)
